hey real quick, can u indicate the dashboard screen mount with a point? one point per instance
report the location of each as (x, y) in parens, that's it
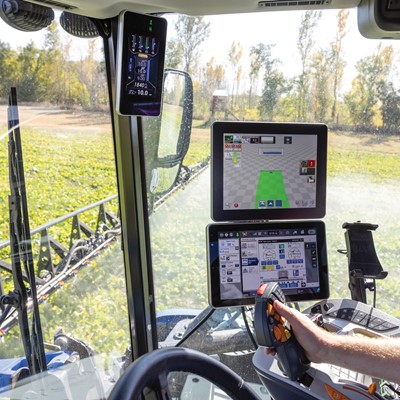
(140, 64)
(242, 256)
(267, 171)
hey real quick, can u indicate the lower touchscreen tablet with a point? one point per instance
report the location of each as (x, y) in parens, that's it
(241, 256)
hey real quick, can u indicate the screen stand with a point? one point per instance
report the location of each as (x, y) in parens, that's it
(364, 265)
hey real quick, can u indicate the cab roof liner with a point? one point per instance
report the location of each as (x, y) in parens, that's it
(107, 9)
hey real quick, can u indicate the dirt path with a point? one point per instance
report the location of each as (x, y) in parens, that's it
(378, 143)
(41, 117)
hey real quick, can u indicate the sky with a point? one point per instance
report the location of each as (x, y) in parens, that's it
(281, 29)
(18, 39)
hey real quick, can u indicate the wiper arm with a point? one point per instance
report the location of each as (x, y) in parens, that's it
(21, 248)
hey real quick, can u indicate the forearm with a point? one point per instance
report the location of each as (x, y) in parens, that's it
(378, 357)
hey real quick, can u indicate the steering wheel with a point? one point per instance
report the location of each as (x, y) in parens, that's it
(151, 370)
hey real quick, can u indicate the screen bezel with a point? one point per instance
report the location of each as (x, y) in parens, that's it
(213, 264)
(133, 23)
(220, 128)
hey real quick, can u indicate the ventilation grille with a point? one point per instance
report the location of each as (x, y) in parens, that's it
(292, 3)
(57, 4)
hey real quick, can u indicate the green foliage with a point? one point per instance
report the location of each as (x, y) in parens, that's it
(274, 81)
(65, 171)
(50, 75)
(192, 31)
(322, 97)
(31, 85)
(199, 148)
(173, 54)
(371, 80)
(252, 114)
(178, 248)
(336, 58)
(8, 68)
(273, 87)
(92, 306)
(288, 104)
(379, 166)
(305, 44)
(390, 99)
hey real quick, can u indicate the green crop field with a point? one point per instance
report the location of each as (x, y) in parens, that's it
(67, 169)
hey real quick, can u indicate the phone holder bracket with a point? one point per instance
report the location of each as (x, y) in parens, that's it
(364, 265)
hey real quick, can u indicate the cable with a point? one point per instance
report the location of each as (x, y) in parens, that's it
(255, 344)
(374, 298)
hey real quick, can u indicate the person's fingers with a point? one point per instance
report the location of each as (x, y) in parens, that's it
(270, 351)
(284, 310)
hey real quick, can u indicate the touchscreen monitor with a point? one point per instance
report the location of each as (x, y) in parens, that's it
(243, 256)
(265, 171)
(140, 64)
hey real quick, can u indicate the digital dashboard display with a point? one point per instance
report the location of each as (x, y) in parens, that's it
(268, 171)
(243, 256)
(140, 64)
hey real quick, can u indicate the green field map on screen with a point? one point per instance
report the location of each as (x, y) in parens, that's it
(271, 187)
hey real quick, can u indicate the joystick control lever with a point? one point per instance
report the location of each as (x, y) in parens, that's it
(272, 330)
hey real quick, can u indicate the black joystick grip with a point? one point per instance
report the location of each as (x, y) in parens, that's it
(272, 330)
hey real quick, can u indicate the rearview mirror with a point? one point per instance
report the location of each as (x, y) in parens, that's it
(167, 137)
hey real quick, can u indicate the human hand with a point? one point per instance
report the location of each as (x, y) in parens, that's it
(312, 338)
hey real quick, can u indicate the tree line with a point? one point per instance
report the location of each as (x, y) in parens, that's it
(315, 94)
(50, 74)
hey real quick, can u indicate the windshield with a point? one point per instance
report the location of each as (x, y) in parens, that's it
(287, 67)
(283, 67)
(290, 66)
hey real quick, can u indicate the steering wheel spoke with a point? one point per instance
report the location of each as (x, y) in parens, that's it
(163, 387)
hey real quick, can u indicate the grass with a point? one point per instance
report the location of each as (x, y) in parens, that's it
(199, 148)
(380, 166)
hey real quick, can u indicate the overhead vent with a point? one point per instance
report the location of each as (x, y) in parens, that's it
(24, 16)
(56, 4)
(293, 3)
(78, 25)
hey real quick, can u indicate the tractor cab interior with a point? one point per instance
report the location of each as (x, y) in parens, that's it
(169, 167)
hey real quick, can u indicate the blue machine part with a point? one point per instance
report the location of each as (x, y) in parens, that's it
(10, 366)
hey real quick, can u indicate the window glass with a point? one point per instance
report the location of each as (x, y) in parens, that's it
(71, 197)
(284, 67)
(281, 66)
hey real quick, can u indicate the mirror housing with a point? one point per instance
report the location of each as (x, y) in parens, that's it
(167, 137)
(379, 19)
(183, 99)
